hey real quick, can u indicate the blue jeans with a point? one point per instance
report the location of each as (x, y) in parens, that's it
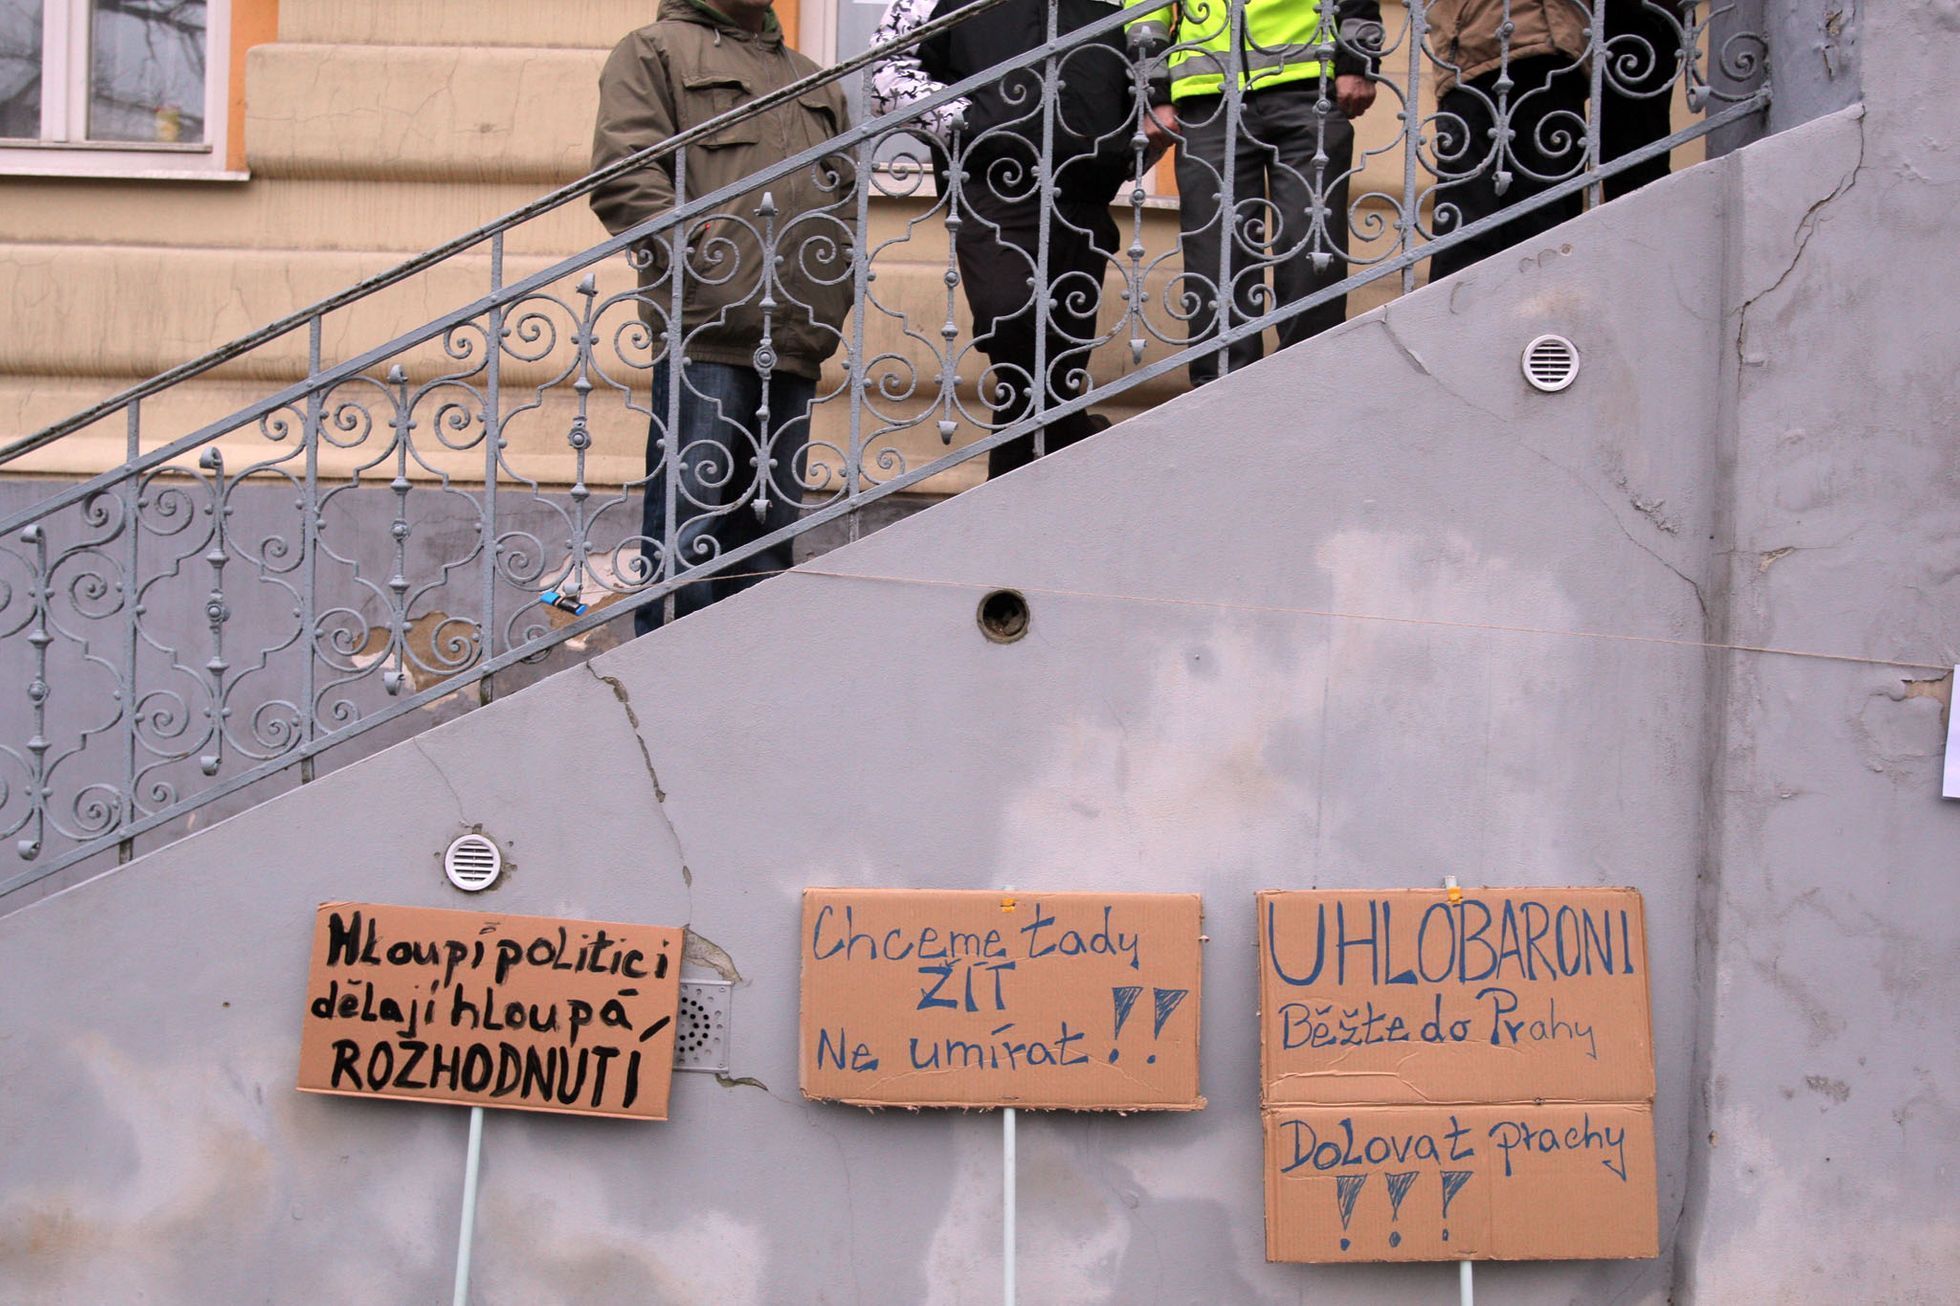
(729, 461)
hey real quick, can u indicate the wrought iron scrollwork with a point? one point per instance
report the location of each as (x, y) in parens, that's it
(377, 531)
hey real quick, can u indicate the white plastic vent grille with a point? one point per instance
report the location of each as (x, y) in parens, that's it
(701, 1033)
(473, 863)
(1551, 363)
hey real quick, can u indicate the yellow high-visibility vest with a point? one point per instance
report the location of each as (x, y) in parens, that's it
(1278, 41)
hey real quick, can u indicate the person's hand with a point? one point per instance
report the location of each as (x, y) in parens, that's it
(1159, 133)
(1354, 93)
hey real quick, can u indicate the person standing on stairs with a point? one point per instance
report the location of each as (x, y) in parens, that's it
(750, 347)
(988, 145)
(1527, 64)
(1304, 71)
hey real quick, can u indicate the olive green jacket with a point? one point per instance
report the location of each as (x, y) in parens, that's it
(674, 74)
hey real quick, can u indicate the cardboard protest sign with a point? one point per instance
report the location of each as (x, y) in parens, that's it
(527, 1012)
(1511, 1183)
(953, 998)
(1454, 1075)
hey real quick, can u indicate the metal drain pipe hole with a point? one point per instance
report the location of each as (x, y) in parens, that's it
(1003, 616)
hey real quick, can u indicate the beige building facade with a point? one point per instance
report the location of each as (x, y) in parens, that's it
(362, 132)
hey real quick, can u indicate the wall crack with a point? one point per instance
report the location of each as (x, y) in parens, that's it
(1415, 361)
(850, 1209)
(625, 698)
(1701, 600)
(619, 692)
(1806, 228)
(462, 814)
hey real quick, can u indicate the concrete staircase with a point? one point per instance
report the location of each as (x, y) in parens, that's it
(374, 130)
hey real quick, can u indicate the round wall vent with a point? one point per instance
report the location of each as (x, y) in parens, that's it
(1551, 363)
(473, 863)
(1003, 616)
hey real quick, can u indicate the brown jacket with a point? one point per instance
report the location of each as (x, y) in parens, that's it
(1463, 34)
(674, 74)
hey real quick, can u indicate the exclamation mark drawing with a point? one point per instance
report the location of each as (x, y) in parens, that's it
(1125, 997)
(1347, 1187)
(1398, 1188)
(1453, 1181)
(1166, 1001)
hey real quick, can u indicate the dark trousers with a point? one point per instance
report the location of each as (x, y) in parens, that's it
(1289, 169)
(1547, 121)
(1548, 109)
(1644, 64)
(996, 246)
(730, 459)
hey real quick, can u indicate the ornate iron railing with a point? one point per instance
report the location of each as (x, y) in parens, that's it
(376, 533)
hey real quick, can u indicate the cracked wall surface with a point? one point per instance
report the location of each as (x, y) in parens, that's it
(1827, 1121)
(1286, 631)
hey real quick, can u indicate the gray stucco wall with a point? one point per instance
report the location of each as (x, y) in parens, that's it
(1828, 975)
(1764, 371)
(1814, 48)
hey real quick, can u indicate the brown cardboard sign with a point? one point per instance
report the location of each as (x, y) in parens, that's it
(527, 1012)
(1488, 1049)
(958, 998)
(1516, 1182)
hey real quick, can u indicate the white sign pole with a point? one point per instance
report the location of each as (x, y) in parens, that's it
(468, 1234)
(1007, 1212)
(1466, 1290)
(1008, 1187)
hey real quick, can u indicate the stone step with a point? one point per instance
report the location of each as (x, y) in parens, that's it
(425, 113)
(396, 218)
(505, 114)
(220, 294)
(537, 448)
(590, 24)
(217, 295)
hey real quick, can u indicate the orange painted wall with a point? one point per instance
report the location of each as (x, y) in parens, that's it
(253, 22)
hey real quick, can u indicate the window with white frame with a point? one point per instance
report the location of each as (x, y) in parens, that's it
(112, 85)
